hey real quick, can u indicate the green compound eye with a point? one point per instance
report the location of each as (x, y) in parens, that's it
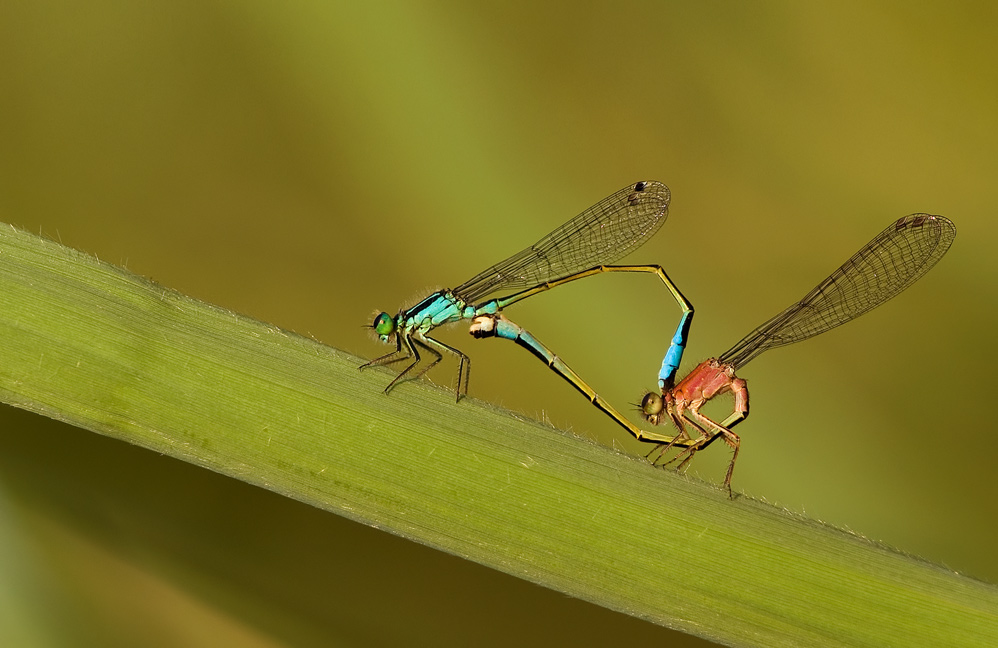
(383, 325)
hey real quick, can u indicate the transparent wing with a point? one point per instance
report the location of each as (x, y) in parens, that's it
(892, 261)
(602, 234)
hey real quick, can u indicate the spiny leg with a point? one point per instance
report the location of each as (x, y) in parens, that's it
(413, 353)
(692, 447)
(663, 448)
(388, 357)
(421, 341)
(386, 360)
(732, 439)
(680, 423)
(463, 367)
(692, 450)
(739, 389)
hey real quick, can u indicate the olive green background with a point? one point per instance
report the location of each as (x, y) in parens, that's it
(310, 163)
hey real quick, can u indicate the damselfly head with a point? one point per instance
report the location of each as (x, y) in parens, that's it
(651, 407)
(384, 326)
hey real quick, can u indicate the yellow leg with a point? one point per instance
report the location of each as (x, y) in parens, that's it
(499, 326)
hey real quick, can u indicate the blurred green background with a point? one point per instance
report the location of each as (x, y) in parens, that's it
(310, 163)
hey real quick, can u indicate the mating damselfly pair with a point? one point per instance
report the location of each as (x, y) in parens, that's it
(601, 235)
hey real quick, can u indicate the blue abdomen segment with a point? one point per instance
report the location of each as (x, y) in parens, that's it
(488, 308)
(674, 356)
(510, 331)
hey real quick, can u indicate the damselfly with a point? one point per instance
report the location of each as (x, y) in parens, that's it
(582, 247)
(892, 261)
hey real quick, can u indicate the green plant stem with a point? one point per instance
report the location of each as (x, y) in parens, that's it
(96, 346)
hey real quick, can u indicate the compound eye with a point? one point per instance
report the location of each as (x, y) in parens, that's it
(651, 406)
(383, 325)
